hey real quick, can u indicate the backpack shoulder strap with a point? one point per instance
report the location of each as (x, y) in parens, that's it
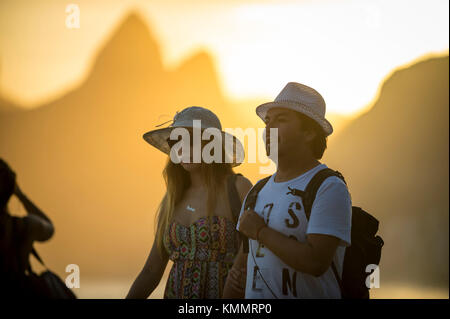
(233, 196)
(252, 195)
(250, 203)
(309, 195)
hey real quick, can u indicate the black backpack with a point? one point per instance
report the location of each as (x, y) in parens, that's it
(20, 279)
(365, 248)
(47, 285)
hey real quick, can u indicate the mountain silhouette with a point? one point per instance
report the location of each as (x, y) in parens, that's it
(395, 160)
(131, 53)
(82, 156)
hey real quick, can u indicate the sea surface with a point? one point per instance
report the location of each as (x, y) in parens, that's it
(108, 289)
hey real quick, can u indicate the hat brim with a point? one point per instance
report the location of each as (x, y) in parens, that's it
(262, 110)
(158, 139)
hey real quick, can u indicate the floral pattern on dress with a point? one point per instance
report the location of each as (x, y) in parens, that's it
(202, 255)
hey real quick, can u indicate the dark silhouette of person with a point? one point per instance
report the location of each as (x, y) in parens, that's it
(17, 235)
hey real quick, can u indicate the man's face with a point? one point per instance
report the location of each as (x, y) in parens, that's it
(290, 136)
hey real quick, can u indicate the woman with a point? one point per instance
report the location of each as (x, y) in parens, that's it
(196, 228)
(17, 235)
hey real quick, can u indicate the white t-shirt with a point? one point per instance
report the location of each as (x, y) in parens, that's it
(330, 215)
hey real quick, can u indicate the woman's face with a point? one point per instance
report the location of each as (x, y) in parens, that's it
(189, 164)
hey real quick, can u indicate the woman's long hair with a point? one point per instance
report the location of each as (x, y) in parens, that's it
(177, 181)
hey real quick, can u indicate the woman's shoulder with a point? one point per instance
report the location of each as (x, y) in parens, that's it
(243, 185)
(242, 181)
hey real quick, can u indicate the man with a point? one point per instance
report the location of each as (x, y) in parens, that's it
(291, 256)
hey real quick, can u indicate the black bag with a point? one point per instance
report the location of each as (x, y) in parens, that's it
(18, 280)
(365, 248)
(47, 285)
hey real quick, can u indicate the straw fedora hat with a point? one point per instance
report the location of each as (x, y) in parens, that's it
(301, 98)
(159, 137)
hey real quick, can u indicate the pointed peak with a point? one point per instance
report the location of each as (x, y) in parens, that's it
(133, 20)
(197, 73)
(131, 29)
(201, 57)
(200, 63)
(131, 49)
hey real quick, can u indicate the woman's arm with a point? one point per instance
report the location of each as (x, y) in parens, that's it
(243, 185)
(150, 276)
(237, 278)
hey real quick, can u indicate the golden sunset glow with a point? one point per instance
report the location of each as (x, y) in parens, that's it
(341, 48)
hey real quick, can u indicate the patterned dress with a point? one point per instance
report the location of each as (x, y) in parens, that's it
(202, 255)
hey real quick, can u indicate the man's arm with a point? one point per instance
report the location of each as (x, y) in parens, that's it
(30, 207)
(41, 227)
(313, 257)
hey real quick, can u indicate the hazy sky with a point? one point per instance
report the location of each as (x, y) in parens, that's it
(341, 48)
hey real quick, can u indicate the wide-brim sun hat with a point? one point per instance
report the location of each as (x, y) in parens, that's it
(159, 137)
(300, 98)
